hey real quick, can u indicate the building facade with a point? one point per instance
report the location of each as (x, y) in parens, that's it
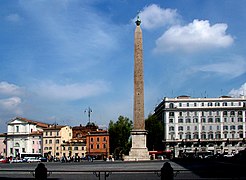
(197, 125)
(3, 145)
(24, 136)
(97, 143)
(53, 137)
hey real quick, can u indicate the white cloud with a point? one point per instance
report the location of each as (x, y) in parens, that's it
(238, 92)
(13, 17)
(10, 103)
(232, 68)
(71, 91)
(154, 16)
(196, 36)
(9, 89)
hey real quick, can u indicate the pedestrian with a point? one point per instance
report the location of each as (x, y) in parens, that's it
(167, 171)
(41, 172)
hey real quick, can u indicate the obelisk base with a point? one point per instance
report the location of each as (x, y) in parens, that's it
(139, 151)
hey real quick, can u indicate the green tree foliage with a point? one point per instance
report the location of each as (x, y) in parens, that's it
(120, 132)
(155, 134)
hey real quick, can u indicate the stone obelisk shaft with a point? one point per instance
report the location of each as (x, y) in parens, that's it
(139, 123)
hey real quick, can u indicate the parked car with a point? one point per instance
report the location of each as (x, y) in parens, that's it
(33, 159)
(43, 159)
(16, 160)
(4, 160)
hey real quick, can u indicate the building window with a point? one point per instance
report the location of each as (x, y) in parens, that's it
(92, 146)
(180, 136)
(195, 136)
(91, 139)
(57, 133)
(46, 133)
(188, 104)
(180, 120)
(171, 128)
(180, 104)
(33, 142)
(188, 128)
(171, 105)
(46, 141)
(180, 128)
(218, 128)
(171, 114)
(224, 104)
(232, 127)
(180, 113)
(232, 113)
(203, 128)
(188, 136)
(225, 119)
(83, 148)
(50, 133)
(210, 120)
(240, 127)
(202, 103)
(23, 150)
(195, 128)
(225, 135)
(17, 129)
(204, 120)
(210, 136)
(195, 120)
(170, 120)
(98, 146)
(210, 128)
(195, 104)
(69, 148)
(224, 113)
(33, 151)
(98, 139)
(217, 120)
(217, 136)
(232, 119)
(240, 119)
(57, 141)
(240, 113)
(187, 120)
(76, 148)
(203, 136)
(57, 148)
(50, 141)
(225, 127)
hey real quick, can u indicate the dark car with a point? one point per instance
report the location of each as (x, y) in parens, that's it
(43, 159)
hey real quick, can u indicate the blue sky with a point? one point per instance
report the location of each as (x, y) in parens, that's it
(59, 57)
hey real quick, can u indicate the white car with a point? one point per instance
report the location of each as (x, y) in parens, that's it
(33, 159)
(16, 161)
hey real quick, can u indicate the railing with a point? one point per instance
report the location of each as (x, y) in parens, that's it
(100, 174)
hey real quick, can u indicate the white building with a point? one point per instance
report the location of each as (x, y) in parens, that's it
(197, 125)
(24, 136)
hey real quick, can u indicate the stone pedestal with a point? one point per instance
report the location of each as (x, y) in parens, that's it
(139, 151)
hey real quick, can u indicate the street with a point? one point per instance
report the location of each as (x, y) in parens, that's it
(149, 170)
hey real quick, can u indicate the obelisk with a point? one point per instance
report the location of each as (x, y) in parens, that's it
(138, 150)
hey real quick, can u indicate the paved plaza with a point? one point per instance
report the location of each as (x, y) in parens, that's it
(149, 170)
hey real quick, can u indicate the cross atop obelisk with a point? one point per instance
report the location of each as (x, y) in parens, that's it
(138, 150)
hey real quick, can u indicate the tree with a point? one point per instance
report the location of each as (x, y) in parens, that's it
(119, 134)
(155, 134)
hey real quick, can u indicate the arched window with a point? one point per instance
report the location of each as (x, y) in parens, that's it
(171, 105)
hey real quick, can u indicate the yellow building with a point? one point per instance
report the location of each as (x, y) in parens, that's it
(74, 149)
(53, 137)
